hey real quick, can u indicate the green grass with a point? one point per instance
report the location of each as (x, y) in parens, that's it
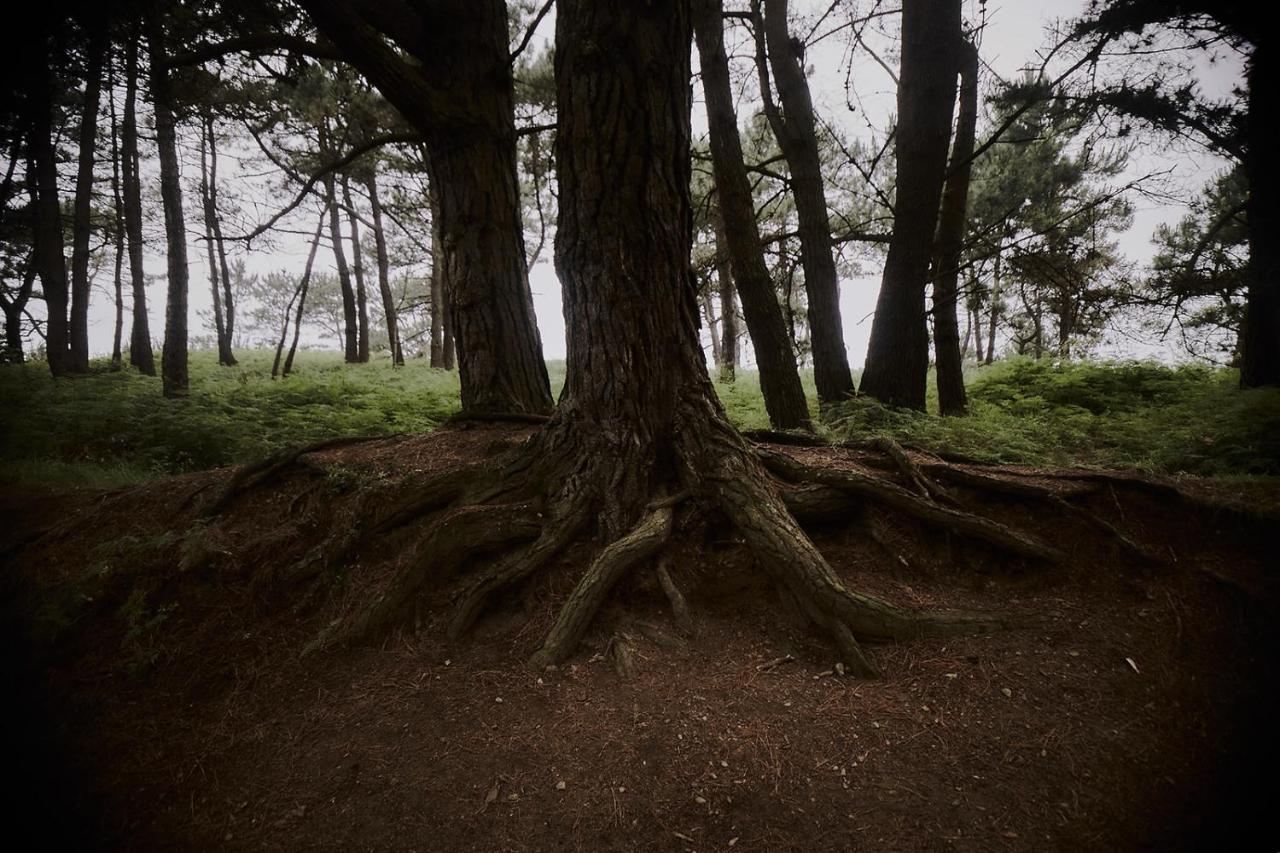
(110, 429)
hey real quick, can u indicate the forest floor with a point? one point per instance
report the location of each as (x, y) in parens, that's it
(164, 701)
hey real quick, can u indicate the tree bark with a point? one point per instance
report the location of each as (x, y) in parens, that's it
(995, 303)
(437, 282)
(458, 92)
(898, 353)
(794, 128)
(117, 207)
(210, 216)
(357, 269)
(173, 358)
(709, 317)
(228, 297)
(81, 224)
(301, 299)
(384, 268)
(977, 333)
(728, 362)
(13, 309)
(775, 357)
(350, 328)
(47, 232)
(140, 352)
(952, 219)
(1260, 332)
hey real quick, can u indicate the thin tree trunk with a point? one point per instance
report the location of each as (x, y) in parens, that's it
(968, 334)
(210, 216)
(13, 310)
(794, 127)
(117, 356)
(225, 353)
(898, 353)
(728, 299)
(775, 355)
(952, 219)
(995, 304)
(300, 297)
(173, 370)
(448, 356)
(384, 269)
(140, 352)
(350, 330)
(710, 318)
(977, 333)
(357, 268)
(81, 224)
(437, 282)
(47, 231)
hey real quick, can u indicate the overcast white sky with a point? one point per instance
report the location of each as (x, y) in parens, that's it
(1015, 32)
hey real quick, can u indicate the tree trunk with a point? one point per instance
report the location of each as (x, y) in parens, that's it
(117, 207)
(225, 354)
(995, 305)
(794, 128)
(1260, 332)
(437, 283)
(728, 298)
(384, 269)
(977, 334)
(458, 91)
(300, 297)
(81, 225)
(47, 219)
(140, 353)
(898, 352)
(210, 216)
(775, 357)
(350, 329)
(357, 268)
(952, 219)
(13, 309)
(173, 359)
(709, 317)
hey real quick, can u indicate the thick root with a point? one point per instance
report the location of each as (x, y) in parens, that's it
(894, 496)
(621, 555)
(679, 607)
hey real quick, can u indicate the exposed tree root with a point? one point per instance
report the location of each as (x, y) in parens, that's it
(679, 607)
(264, 470)
(911, 471)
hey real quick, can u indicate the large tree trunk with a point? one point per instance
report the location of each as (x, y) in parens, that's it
(173, 359)
(775, 357)
(357, 269)
(952, 219)
(728, 360)
(81, 225)
(47, 219)
(898, 353)
(794, 127)
(1260, 333)
(384, 268)
(458, 92)
(437, 282)
(140, 353)
(210, 217)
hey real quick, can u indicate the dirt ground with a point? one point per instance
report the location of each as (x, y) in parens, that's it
(162, 699)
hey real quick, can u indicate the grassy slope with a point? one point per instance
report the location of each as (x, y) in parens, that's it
(115, 428)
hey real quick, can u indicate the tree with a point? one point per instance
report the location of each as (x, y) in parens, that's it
(81, 224)
(140, 354)
(898, 353)
(219, 280)
(384, 265)
(779, 380)
(794, 127)
(453, 84)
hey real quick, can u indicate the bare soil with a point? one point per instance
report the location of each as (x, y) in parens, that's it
(162, 699)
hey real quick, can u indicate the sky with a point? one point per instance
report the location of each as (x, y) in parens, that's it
(1014, 34)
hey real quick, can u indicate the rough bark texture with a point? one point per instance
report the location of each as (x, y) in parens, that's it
(1260, 335)
(794, 128)
(173, 366)
(437, 284)
(140, 353)
(898, 352)
(357, 270)
(384, 269)
(775, 357)
(81, 225)
(951, 227)
(458, 92)
(47, 220)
